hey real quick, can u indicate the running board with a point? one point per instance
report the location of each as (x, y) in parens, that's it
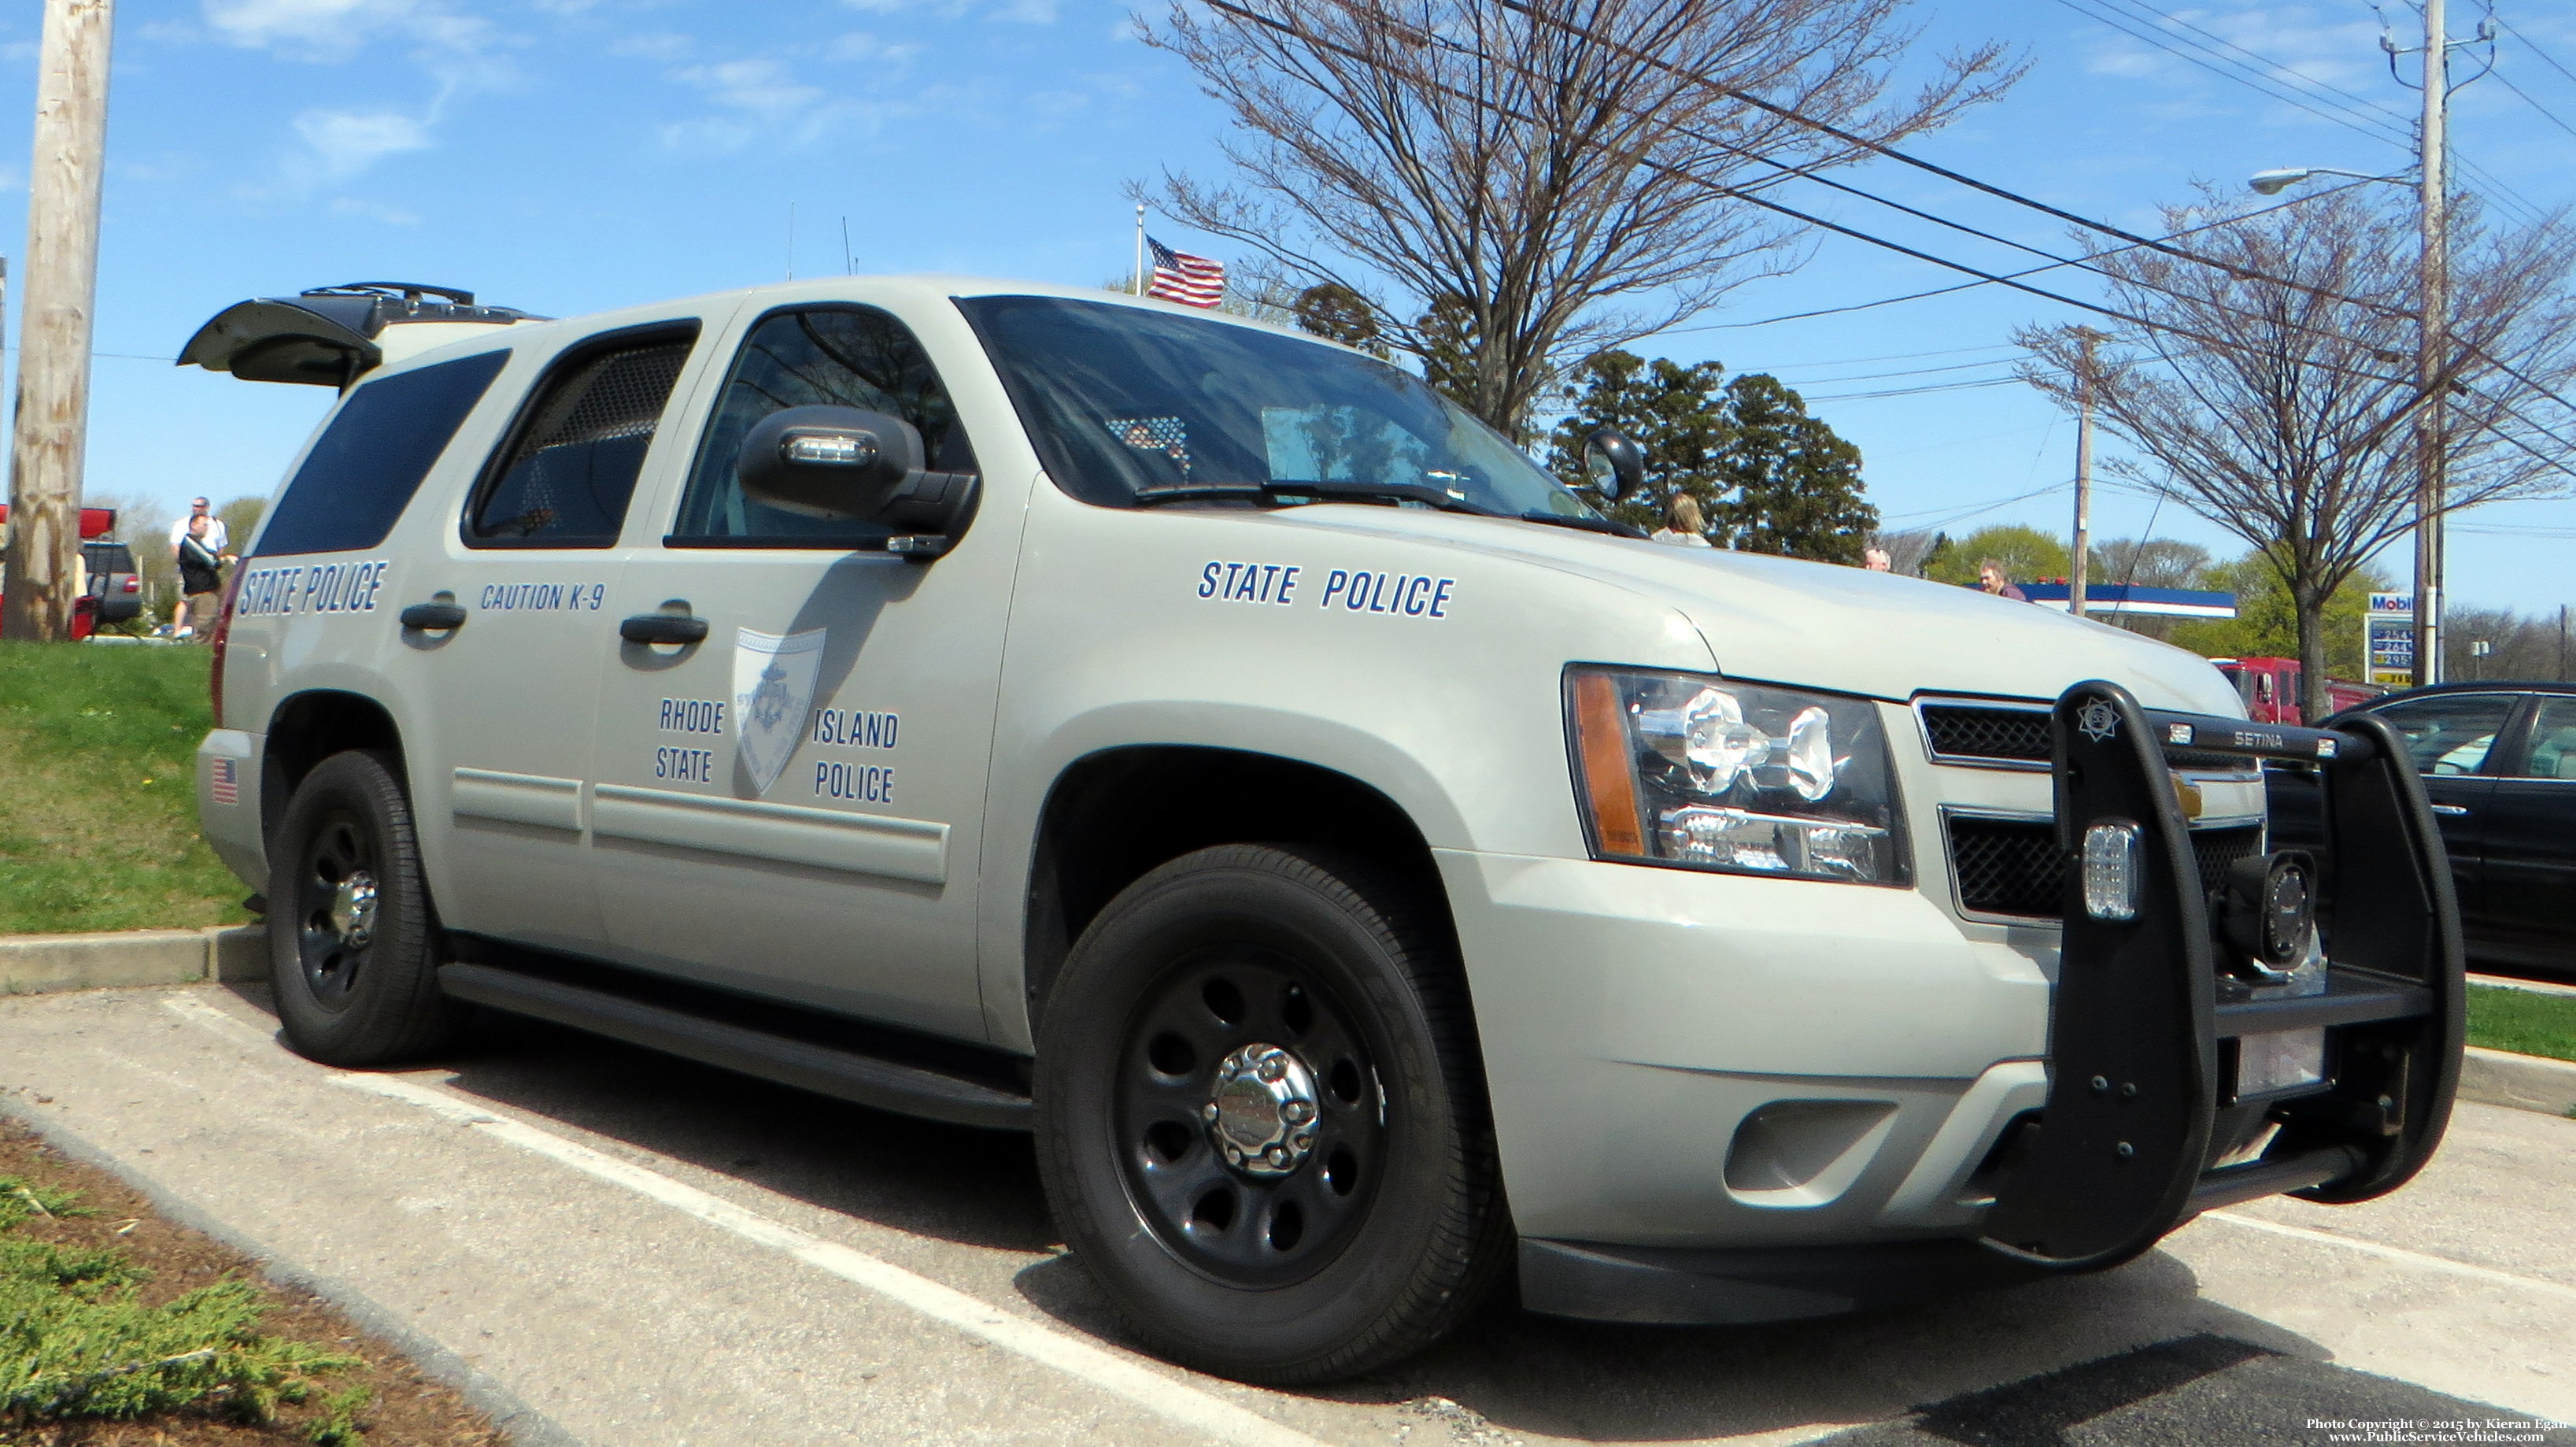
(842, 1074)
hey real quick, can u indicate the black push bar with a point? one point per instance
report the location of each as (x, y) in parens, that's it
(2156, 996)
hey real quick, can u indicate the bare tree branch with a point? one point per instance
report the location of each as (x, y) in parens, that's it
(1519, 166)
(2271, 391)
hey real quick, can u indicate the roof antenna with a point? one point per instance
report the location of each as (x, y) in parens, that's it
(849, 262)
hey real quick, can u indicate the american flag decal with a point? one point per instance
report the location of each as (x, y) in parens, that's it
(223, 783)
(1181, 277)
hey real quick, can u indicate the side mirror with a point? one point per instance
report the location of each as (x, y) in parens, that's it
(1614, 462)
(846, 464)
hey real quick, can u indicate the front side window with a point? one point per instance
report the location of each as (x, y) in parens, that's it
(365, 467)
(2553, 740)
(1122, 401)
(2450, 733)
(567, 468)
(825, 356)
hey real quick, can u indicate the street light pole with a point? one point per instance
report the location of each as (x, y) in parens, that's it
(2431, 344)
(2083, 475)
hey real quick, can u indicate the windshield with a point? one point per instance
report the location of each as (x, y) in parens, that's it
(1122, 401)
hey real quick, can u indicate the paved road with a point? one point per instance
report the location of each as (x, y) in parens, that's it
(610, 1247)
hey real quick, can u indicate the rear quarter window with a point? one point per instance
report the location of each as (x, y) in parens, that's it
(362, 473)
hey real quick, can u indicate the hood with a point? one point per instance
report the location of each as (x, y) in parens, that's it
(1821, 625)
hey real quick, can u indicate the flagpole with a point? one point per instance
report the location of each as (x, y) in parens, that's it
(1139, 279)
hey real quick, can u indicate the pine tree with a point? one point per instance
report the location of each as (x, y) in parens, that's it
(1768, 477)
(1797, 485)
(1670, 410)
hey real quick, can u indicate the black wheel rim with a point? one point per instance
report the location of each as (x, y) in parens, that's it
(1270, 1225)
(337, 927)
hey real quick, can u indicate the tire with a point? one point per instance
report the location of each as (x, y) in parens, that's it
(1358, 1236)
(357, 984)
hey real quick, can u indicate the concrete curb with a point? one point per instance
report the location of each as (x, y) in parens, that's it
(43, 964)
(2526, 1082)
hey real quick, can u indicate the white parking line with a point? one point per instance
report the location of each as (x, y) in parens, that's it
(1175, 1401)
(2417, 1259)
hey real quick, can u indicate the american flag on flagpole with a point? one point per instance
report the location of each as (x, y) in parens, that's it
(1181, 277)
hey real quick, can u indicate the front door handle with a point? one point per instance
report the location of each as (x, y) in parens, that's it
(434, 617)
(663, 628)
(2454, 810)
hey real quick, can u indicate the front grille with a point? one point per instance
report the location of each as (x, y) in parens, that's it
(2007, 866)
(1985, 732)
(2013, 866)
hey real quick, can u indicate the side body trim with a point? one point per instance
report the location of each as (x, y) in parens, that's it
(912, 849)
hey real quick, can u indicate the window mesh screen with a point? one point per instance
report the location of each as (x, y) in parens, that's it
(572, 468)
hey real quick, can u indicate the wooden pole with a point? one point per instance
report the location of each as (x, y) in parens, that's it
(52, 421)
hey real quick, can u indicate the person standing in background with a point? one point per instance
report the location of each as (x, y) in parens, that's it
(1684, 527)
(211, 538)
(1990, 576)
(1877, 560)
(201, 560)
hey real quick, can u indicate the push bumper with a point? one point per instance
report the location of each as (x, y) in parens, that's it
(2159, 1006)
(2133, 1120)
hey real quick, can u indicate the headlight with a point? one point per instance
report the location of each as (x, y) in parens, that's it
(1682, 769)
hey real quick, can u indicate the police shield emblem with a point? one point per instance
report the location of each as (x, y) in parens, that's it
(773, 690)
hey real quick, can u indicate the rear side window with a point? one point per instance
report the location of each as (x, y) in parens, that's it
(360, 476)
(564, 474)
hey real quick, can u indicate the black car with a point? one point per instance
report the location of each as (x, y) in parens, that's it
(2499, 765)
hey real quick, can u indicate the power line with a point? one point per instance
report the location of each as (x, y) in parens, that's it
(2032, 271)
(2534, 47)
(2507, 82)
(2220, 66)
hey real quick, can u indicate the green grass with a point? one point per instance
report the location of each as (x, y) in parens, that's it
(2523, 1021)
(98, 812)
(78, 1341)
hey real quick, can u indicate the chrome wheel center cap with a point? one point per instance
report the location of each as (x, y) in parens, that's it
(1261, 1115)
(353, 909)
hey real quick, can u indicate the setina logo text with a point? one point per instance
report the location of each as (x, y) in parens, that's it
(312, 588)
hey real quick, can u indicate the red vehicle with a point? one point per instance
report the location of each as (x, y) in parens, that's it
(96, 522)
(2270, 688)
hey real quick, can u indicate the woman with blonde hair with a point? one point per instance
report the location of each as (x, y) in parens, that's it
(1683, 525)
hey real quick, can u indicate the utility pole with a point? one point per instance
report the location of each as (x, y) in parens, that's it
(2083, 474)
(52, 422)
(2431, 350)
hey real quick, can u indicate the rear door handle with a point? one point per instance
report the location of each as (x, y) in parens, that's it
(434, 617)
(2451, 809)
(663, 628)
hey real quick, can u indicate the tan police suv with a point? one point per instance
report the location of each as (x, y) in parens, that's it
(1364, 867)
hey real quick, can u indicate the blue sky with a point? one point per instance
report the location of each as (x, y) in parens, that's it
(572, 155)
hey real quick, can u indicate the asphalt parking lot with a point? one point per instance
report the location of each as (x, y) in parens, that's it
(606, 1246)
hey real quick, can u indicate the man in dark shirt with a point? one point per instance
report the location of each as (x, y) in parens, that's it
(1990, 576)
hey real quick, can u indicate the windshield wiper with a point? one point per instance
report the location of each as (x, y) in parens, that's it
(1327, 490)
(1202, 492)
(1611, 526)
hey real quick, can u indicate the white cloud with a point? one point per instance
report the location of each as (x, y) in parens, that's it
(332, 30)
(374, 211)
(665, 46)
(345, 143)
(765, 88)
(861, 45)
